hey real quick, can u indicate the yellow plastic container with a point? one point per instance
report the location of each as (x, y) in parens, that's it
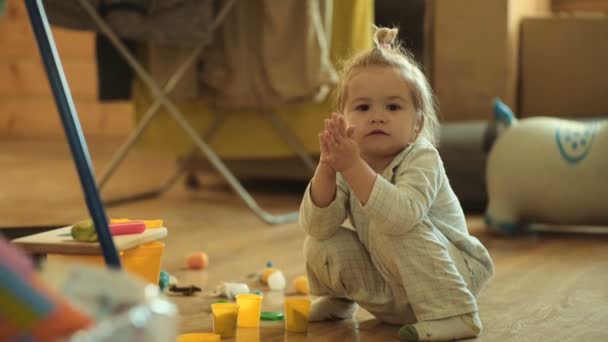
(250, 309)
(199, 337)
(297, 312)
(248, 335)
(225, 317)
(143, 260)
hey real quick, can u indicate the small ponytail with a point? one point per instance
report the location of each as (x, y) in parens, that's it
(385, 38)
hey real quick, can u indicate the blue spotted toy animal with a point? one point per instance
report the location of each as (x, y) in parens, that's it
(547, 170)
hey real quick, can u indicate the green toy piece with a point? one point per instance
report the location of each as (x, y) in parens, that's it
(271, 316)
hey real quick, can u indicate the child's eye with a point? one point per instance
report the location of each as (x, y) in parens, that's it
(393, 107)
(362, 107)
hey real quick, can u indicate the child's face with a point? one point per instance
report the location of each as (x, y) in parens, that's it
(379, 105)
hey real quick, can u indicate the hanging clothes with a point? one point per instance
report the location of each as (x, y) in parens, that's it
(114, 74)
(175, 22)
(170, 24)
(163, 60)
(268, 53)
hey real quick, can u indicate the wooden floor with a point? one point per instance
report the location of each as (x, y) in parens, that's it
(547, 287)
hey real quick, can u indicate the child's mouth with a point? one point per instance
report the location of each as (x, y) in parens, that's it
(377, 132)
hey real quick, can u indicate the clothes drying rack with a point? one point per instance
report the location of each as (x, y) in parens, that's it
(161, 95)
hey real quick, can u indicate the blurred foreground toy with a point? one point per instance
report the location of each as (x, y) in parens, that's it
(30, 309)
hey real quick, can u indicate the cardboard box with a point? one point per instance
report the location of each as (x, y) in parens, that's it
(475, 53)
(565, 66)
(579, 5)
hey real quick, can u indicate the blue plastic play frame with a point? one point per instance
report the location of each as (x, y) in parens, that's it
(71, 125)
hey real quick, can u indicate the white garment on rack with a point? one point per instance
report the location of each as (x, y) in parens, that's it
(269, 53)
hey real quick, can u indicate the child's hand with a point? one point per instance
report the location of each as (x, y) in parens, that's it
(325, 158)
(341, 151)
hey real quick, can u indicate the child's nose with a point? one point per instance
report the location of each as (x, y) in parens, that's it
(378, 117)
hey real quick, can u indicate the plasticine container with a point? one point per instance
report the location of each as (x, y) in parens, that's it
(143, 260)
(225, 317)
(297, 312)
(250, 310)
(248, 335)
(198, 337)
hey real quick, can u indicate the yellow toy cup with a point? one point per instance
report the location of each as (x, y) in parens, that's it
(248, 335)
(297, 312)
(224, 319)
(198, 337)
(250, 309)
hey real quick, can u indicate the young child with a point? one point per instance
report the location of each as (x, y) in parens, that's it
(407, 257)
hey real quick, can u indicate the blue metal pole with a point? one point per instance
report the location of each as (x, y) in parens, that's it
(71, 125)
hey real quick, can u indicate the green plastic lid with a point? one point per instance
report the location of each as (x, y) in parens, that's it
(271, 316)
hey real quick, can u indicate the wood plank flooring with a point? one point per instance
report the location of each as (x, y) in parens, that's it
(548, 287)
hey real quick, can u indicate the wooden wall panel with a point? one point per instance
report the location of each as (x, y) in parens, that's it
(27, 108)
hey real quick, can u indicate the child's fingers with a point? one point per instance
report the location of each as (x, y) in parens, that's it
(337, 120)
(339, 140)
(332, 126)
(328, 150)
(324, 143)
(331, 139)
(350, 131)
(325, 137)
(342, 125)
(334, 122)
(321, 142)
(337, 124)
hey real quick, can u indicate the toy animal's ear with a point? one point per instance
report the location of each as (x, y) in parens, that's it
(503, 113)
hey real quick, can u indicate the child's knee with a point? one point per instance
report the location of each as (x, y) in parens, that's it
(313, 247)
(317, 251)
(318, 254)
(342, 238)
(336, 248)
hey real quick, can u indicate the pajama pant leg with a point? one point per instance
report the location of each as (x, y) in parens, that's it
(401, 279)
(432, 271)
(342, 267)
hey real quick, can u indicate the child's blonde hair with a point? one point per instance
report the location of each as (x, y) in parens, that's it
(388, 52)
